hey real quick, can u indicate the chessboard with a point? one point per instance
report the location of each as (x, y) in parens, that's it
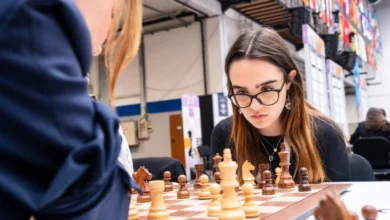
(285, 204)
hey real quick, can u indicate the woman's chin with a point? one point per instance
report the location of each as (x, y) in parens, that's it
(97, 51)
(260, 124)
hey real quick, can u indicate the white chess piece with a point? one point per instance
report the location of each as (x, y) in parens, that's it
(231, 208)
(215, 205)
(133, 212)
(278, 172)
(158, 210)
(250, 208)
(204, 192)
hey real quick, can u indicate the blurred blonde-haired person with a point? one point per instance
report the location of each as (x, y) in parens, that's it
(58, 148)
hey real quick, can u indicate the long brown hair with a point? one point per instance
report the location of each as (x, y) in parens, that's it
(375, 120)
(266, 44)
(123, 39)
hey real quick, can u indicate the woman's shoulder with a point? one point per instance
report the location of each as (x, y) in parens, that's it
(327, 130)
(222, 130)
(224, 127)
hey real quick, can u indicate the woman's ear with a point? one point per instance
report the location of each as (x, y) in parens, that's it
(291, 77)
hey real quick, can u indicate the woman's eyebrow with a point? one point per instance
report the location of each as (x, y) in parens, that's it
(257, 86)
(238, 87)
(266, 83)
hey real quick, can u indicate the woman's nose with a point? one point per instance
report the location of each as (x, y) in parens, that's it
(255, 105)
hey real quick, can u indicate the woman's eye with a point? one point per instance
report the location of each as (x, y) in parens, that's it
(240, 92)
(267, 89)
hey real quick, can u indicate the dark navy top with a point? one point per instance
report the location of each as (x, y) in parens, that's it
(331, 145)
(58, 147)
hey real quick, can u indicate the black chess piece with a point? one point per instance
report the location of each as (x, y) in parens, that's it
(304, 185)
(183, 192)
(268, 188)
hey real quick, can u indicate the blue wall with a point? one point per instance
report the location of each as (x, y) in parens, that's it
(172, 105)
(153, 108)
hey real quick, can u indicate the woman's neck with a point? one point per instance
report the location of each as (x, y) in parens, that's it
(276, 129)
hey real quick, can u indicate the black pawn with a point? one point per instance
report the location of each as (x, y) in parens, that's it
(304, 185)
(268, 188)
(183, 192)
(217, 177)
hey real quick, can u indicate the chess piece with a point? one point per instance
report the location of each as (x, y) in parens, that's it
(332, 207)
(142, 177)
(199, 172)
(247, 176)
(133, 211)
(217, 159)
(230, 204)
(268, 188)
(286, 181)
(262, 167)
(369, 212)
(167, 182)
(204, 192)
(304, 185)
(158, 210)
(183, 192)
(217, 177)
(250, 208)
(215, 205)
(133, 191)
(278, 172)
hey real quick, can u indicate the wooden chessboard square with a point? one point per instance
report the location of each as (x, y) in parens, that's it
(145, 213)
(272, 203)
(298, 194)
(287, 199)
(284, 191)
(271, 209)
(318, 186)
(263, 198)
(258, 202)
(192, 202)
(172, 201)
(200, 208)
(203, 215)
(170, 218)
(279, 194)
(169, 194)
(305, 194)
(183, 213)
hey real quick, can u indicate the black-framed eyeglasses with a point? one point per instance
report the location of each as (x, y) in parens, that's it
(267, 98)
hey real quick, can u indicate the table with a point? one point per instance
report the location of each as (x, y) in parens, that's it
(368, 193)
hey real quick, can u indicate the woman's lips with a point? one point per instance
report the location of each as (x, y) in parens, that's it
(258, 117)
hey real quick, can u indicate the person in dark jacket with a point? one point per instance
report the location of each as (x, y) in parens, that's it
(58, 147)
(374, 126)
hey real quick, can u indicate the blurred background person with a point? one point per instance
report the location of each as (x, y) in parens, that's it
(374, 126)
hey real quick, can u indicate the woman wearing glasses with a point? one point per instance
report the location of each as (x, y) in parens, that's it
(269, 107)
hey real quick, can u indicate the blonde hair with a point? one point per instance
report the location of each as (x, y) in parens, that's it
(123, 39)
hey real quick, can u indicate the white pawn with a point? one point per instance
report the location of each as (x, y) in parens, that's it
(250, 208)
(278, 172)
(204, 191)
(215, 205)
(133, 212)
